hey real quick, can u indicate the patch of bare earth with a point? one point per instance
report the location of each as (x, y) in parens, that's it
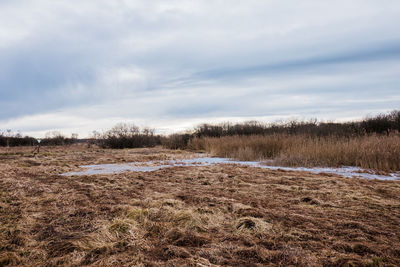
(200, 216)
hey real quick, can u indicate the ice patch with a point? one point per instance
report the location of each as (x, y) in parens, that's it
(207, 161)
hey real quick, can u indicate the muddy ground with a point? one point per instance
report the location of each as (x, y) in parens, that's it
(192, 216)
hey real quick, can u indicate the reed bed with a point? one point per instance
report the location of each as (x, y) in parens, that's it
(375, 152)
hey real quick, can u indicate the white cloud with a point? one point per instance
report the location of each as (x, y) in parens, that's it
(89, 64)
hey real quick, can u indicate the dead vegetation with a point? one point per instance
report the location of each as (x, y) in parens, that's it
(193, 216)
(377, 152)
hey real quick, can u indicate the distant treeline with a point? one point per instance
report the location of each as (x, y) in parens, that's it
(8, 138)
(131, 136)
(380, 124)
(58, 141)
(121, 136)
(17, 141)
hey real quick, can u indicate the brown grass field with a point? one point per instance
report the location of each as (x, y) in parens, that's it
(221, 215)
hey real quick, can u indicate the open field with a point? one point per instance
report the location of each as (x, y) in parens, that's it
(197, 216)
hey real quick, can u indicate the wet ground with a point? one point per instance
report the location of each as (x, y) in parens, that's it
(207, 161)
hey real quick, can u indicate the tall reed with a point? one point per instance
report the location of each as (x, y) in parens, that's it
(372, 152)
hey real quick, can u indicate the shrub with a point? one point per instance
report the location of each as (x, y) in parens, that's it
(129, 136)
(176, 141)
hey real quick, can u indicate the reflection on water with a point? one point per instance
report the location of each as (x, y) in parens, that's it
(206, 161)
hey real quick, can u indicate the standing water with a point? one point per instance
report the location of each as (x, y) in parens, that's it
(207, 161)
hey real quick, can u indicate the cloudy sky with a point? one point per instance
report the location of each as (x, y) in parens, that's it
(77, 66)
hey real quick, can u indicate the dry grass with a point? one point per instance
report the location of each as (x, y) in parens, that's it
(194, 216)
(370, 152)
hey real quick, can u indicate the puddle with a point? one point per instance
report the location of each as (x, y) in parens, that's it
(150, 166)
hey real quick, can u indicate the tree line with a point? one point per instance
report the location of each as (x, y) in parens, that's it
(9, 138)
(382, 124)
(130, 136)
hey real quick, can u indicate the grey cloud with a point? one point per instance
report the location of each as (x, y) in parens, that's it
(152, 59)
(389, 51)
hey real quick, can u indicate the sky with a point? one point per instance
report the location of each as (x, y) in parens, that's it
(78, 66)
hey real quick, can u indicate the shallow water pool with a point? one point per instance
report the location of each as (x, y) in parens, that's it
(207, 161)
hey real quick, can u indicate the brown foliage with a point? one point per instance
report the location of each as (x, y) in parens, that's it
(370, 152)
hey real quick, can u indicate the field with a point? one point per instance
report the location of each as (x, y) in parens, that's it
(191, 216)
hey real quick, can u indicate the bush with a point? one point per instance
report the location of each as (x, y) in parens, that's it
(176, 141)
(128, 136)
